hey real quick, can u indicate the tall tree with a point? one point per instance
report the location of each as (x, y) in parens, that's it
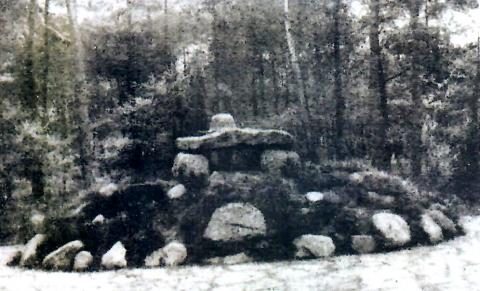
(81, 105)
(379, 84)
(46, 61)
(304, 110)
(338, 82)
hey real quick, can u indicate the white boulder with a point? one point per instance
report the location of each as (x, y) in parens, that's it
(108, 190)
(83, 260)
(177, 191)
(234, 222)
(173, 254)
(61, 258)
(99, 219)
(115, 257)
(314, 245)
(38, 222)
(431, 228)
(393, 228)
(443, 221)
(239, 258)
(29, 253)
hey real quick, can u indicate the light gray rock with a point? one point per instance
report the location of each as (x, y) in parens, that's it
(154, 259)
(221, 121)
(314, 196)
(29, 253)
(442, 220)
(328, 196)
(363, 243)
(234, 222)
(188, 167)
(108, 190)
(115, 257)
(314, 245)
(177, 191)
(240, 258)
(83, 260)
(431, 228)
(393, 228)
(173, 254)
(61, 258)
(280, 162)
(230, 137)
(98, 220)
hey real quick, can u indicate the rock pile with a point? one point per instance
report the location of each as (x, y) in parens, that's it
(240, 195)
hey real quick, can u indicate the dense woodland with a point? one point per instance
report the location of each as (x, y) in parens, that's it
(88, 103)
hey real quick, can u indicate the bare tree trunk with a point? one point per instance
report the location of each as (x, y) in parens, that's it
(304, 110)
(29, 85)
(338, 85)
(379, 82)
(275, 82)
(46, 61)
(81, 100)
(415, 94)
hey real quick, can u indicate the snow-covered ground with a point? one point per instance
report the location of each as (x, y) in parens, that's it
(454, 265)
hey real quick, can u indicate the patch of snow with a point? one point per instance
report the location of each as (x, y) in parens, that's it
(452, 265)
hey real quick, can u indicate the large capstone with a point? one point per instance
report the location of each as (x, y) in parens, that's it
(30, 253)
(115, 257)
(221, 121)
(317, 246)
(231, 137)
(235, 222)
(393, 228)
(61, 259)
(280, 162)
(190, 168)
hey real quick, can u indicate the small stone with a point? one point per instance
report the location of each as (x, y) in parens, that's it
(61, 259)
(314, 245)
(221, 121)
(234, 222)
(154, 259)
(83, 260)
(98, 220)
(314, 196)
(108, 190)
(431, 228)
(363, 243)
(175, 253)
(443, 221)
(115, 257)
(393, 227)
(177, 191)
(29, 254)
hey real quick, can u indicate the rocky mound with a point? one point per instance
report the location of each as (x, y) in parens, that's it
(241, 195)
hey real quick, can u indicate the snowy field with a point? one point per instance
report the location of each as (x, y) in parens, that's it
(454, 265)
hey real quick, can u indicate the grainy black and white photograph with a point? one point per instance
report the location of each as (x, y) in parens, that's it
(239, 145)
